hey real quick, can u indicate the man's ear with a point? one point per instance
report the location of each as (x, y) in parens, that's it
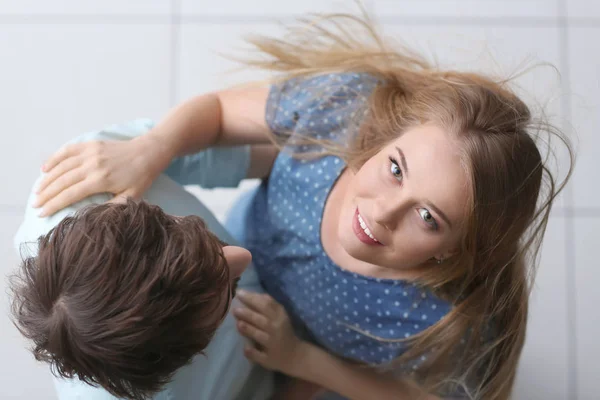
(237, 258)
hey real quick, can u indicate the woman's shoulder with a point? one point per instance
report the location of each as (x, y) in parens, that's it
(325, 83)
(310, 103)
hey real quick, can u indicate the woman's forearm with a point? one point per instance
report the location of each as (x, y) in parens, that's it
(228, 117)
(190, 127)
(353, 382)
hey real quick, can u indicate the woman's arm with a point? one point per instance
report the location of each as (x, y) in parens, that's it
(229, 117)
(262, 157)
(128, 168)
(317, 366)
(266, 323)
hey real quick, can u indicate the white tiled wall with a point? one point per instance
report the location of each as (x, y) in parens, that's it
(59, 80)
(199, 65)
(586, 264)
(545, 359)
(261, 9)
(583, 9)
(86, 7)
(70, 66)
(505, 9)
(585, 86)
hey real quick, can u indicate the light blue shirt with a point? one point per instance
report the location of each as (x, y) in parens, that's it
(223, 372)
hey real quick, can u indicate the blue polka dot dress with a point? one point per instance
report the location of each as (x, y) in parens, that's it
(357, 317)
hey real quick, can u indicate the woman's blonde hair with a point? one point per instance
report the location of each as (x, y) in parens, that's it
(478, 344)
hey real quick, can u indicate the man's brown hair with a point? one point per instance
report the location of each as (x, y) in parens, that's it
(121, 296)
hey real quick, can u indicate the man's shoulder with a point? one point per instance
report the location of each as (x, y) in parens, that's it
(32, 226)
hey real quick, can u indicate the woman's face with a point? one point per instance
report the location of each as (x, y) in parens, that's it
(405, 204)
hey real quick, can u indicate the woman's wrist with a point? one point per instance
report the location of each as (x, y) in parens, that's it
(300, 367)
(162, 143)
(156, 150)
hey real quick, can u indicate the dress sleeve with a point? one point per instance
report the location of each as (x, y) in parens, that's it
(317, 106)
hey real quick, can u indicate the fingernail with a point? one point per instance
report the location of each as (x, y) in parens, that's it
(241, 292)
(44, 168)
(42, 213)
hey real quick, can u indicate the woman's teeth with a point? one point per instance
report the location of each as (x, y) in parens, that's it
(365, 228)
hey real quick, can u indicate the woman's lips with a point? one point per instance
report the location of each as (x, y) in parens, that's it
(362, 231)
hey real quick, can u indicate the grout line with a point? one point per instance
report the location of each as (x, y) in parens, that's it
(575, 212)
(402, 19)
(571, 307)
(77, 19)
(586, 212)
(117, 19)
(587, 22)
(570, 241)
(174, 53)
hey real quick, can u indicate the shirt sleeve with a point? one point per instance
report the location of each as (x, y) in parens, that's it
(211, 168)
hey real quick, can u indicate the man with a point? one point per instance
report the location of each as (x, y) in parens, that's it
(134, 298)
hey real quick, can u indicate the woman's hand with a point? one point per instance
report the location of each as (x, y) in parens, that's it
(276, 347)
(123, 168)
(265, 322)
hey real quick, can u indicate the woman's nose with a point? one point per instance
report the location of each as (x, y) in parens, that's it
(387, 213)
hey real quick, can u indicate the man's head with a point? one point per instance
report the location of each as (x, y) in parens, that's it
(122, 295)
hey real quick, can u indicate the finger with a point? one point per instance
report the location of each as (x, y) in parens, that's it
(118, 199)
(252, 317)
(255, 355)
(65, 166)
(134, 193)
(61, 183)
(67, 197)
(262, 303)
(253, 333)
(62, 154)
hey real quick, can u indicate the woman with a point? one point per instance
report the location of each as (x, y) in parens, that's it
(396, 227)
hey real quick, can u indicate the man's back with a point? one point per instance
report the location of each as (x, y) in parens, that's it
(222, 372)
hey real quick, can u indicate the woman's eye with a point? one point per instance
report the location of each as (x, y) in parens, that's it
(428, 218)
(395, 169)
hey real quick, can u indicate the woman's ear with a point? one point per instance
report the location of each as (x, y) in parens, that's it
(445, 255)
